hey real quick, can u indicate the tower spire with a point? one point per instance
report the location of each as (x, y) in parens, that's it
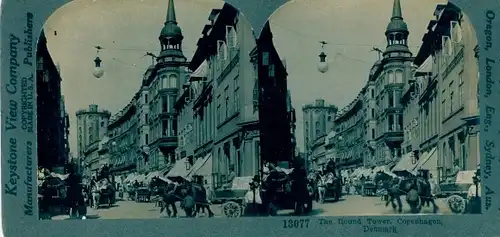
(396, 10)
(171, 12)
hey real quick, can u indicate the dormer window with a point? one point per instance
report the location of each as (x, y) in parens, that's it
(446, 45)
(221, 50)
(231, 37)
(455, 32)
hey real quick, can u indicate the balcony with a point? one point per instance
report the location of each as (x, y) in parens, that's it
(167, 142)
(393, 138)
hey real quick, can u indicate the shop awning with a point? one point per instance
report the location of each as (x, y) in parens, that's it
(405, 164)
(140, 178)
(465, 177)
(201, 71)
(428, 161)
(425, 68)
(179, 169)
(202, 167)
(150, 176)
(130, 177)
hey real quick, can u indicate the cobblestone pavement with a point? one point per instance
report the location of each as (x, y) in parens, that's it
(354, 205)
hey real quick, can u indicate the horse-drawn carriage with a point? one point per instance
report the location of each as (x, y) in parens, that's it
(247, 194)
(456, 192)
(232, 198)
(103, 194)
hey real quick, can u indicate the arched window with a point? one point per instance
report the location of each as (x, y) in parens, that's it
(399, 76)
(172, 81)
(390, 76)
(164, 82)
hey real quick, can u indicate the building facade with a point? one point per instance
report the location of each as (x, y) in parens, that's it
(350, 134)
(122, 142)
(274, 117)
(318, 121)
(443, 98)
(52, 138)
(92, 127)
(389, 78)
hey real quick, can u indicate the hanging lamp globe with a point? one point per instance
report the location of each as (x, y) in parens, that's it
(323, 64)
(98, 70)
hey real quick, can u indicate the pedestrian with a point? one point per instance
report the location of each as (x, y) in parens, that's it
(322, 186)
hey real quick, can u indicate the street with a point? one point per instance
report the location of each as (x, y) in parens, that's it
(353, 205)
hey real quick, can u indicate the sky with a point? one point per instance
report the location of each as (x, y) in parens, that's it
(352, 28)
(126, 30)
(129, 29)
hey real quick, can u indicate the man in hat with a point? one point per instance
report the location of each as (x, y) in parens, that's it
(474, 194)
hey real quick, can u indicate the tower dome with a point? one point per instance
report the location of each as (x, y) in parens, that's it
(171, 30)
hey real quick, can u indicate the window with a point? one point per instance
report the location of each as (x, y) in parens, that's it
(146, 98)
(455, 32)
(390, 123)
(452, 102)
(146, 118)
(146, 139)
(172, 81)
(373, 113)
(317, 124)
(226, 97)
(372, 92)
(165, 107)
(390, 77)
(329, 118)
(219, 112)
(391, 98)
(231, 37)
(221, 50)
(236, 86)
(102, 123)
(265, 59)
(399, 76)
(271, 71)
(463, 154)
(461, 88)
(373, 133)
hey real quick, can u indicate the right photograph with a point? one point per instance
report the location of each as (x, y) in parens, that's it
(375, 103)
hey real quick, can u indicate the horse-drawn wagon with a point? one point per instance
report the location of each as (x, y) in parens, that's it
(247, 195)
(232, 198)
(456, 192)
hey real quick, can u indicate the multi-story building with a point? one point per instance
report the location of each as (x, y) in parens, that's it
(446, 90)
(369, 110)
(318, 121)
(389, 78)
(350, 134)
(92, 127)
(52, 137)
(122, 142)
(160, 89)
(274, 119)
(293, 120)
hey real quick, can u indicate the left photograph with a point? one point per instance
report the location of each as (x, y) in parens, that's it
(126, 123)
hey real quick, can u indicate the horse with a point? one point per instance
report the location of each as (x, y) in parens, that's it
(192, 197)
(416, 189)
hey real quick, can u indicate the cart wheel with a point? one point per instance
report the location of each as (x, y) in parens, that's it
(456, 204)
(231, 209)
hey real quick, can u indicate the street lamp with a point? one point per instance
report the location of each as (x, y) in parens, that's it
(323, 63)
(98, 70)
